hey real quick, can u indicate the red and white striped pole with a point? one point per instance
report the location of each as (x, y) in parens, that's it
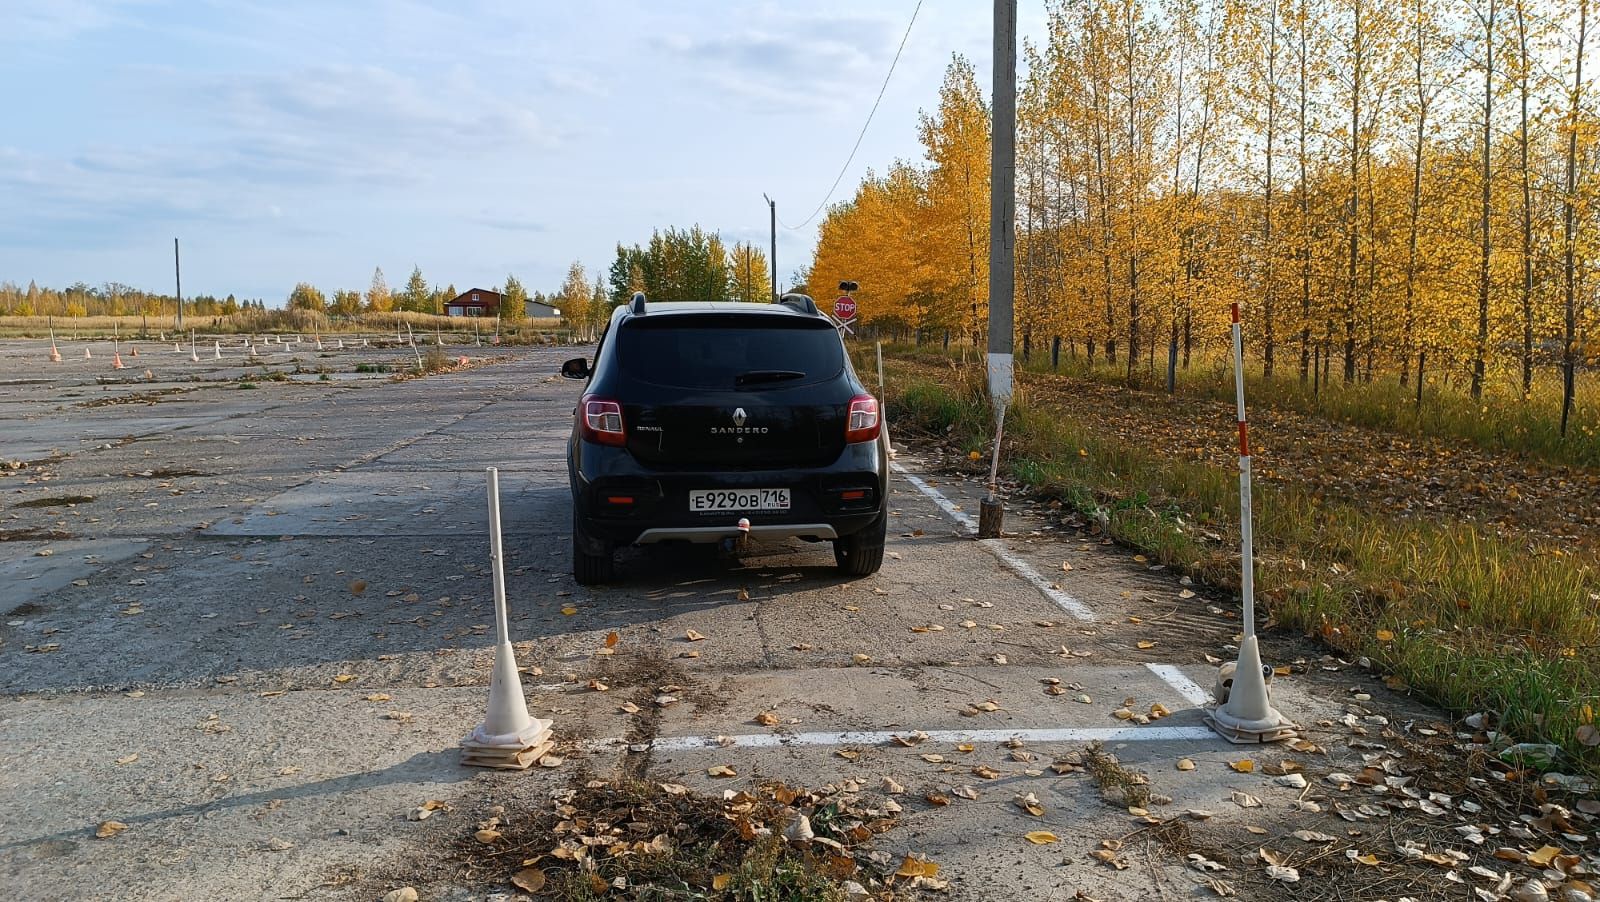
(1247, 577)
(1244, 713)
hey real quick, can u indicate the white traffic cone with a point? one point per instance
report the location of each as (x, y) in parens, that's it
(319, 342)
(55, 353)
(216, 350)
(194, 354)
(176, 349)
(339, 346)
(508, 737)
(149, 376)
(253, 352)
(86, 354)
(1244, 712)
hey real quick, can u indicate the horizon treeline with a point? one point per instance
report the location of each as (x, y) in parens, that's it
(1381, 186)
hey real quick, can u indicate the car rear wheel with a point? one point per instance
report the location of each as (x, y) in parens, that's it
(588, 567)
(861, 553)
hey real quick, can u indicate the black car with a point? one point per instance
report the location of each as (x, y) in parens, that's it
(716, 422)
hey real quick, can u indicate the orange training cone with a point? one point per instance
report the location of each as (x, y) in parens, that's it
(116, 362)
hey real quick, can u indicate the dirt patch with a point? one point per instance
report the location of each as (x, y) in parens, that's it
(34, 534)
(61, 501)
(169, 473)
(24, 609)
(633, 839)
(143, 397)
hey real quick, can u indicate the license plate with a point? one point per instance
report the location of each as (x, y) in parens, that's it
(717, 500)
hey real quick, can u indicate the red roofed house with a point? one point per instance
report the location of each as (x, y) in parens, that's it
(475, 302)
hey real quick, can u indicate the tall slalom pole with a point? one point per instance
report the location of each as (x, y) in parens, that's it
(1244, 713)
(508, 737)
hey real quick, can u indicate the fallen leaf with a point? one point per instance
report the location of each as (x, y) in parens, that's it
(1146, 643)
(612, 639)
(1030, 803)
(1385, 635)
(1543, 857)
(916, 866)
(108, 829)
(529, 880)
(487, 835)
(936, 799)
(357, 586)
(377, 697)
(1185, 764)
(1041, 837)
(569, 610)
(721, 770)
(767, 718)
(1312, 836)
(1283, 874)
(1245, 800)
(721, 881)
(848, 754)
(1243, 766)
(403, 894)
(128, 759)
(693, 636)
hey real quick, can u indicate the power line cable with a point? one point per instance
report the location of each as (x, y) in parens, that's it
(864, 126)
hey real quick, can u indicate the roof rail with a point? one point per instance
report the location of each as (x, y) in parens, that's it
(800, 302)
(636, 306)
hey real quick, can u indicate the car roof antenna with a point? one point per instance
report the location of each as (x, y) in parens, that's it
(636, 307)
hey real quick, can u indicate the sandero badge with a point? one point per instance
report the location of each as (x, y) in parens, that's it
(724, 422)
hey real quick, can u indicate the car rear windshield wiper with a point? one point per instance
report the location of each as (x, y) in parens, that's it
(755, 377)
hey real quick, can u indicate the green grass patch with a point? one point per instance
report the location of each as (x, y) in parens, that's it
(1471, 621)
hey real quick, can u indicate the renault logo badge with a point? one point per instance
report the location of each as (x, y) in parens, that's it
(738, 416)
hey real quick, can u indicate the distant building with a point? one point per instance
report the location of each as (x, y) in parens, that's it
(475, 302)
(541, 310)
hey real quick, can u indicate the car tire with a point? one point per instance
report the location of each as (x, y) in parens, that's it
(588, 568)
(861, 553)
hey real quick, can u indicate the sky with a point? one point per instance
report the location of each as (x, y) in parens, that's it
(286, 141)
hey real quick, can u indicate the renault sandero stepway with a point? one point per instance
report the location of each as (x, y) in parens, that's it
(720, 422)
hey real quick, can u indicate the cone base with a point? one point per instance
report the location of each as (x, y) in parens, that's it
(506, 759)
(1251, 732)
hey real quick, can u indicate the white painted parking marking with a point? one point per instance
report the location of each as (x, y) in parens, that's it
(998, 548)
(1189, 689)
(938, 737)
(1046, 588)
(944, 503)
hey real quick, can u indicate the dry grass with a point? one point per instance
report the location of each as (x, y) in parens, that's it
(1472, 621)
(295, 321)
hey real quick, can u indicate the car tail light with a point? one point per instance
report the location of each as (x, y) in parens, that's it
(602, 421)
(863, 423)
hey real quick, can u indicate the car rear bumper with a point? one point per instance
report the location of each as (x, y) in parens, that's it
(620, 502)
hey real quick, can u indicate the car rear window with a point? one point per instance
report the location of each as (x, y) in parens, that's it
(725, 352)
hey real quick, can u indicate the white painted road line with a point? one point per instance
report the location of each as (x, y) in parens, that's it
(1046, 588)
(956, 513)
(938, 737)
(997, 547)
(1189, 689)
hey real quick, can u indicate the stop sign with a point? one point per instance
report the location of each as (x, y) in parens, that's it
(845, 307)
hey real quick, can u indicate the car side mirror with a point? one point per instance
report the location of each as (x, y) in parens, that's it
(576, 368)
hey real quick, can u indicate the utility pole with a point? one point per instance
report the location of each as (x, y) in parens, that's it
(177, 272)
(1002, 243)
(772, 208)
